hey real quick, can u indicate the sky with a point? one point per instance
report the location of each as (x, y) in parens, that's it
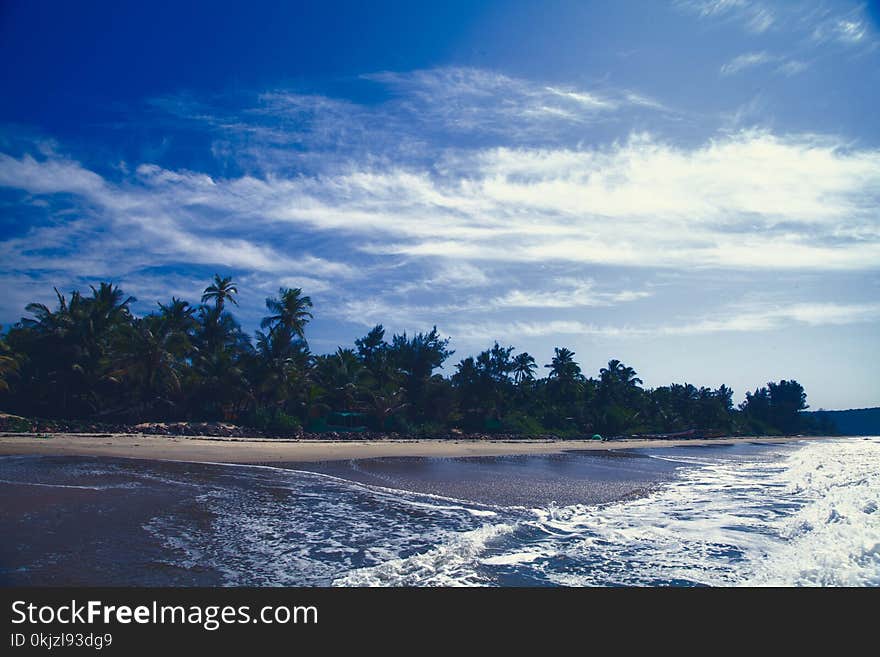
(691, 187)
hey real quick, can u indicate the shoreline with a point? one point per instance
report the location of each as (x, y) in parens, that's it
(202, 449)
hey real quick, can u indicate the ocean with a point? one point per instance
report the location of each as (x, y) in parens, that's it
(791, 514)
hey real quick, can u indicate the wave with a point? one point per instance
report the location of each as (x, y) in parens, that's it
(73, 486)
(449, 564)
(833, 539)
(796, 514)
(803, 517)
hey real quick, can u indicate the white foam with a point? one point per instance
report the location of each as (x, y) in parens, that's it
(34, 483)
(404, 496)
(452, 563)
(807, 514)
(834, 539)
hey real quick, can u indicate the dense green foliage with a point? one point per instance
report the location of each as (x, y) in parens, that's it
(92, 358)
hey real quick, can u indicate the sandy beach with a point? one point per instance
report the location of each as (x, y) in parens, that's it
(236, 450)
(551, 513)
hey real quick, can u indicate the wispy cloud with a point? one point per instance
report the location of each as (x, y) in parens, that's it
(755, 17)
(774, 317)
(471, 233)
(792, 67)
(121, 229)
(737, 320)
(817, 21)
(466, 98)
(565, 293)
(424, 110)
(747, 200)
(762, 59)
(850, 29)
(745, 61)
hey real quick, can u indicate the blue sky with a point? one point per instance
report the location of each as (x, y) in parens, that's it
(691, 187)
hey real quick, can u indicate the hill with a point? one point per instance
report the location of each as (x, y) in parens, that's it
(852, 422)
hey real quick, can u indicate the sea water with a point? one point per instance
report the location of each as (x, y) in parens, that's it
(788, 514)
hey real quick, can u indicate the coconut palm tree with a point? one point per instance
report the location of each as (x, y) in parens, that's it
(178, 315)
(89, 356)
(289, 310)
(108, 306)
(340, 375)
(221, 291)
(146, 356)
(618, 383)
(217, 383)
(617, 372)
(524, 368)
(72, 348)
(563, 365)
(280, 361)
(48, 321)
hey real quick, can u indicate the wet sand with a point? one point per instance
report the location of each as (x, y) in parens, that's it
(157, 517)
(151, 522)
(277, 451)
(582, 477)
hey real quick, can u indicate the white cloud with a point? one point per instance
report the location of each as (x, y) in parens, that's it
(760, 20)
(792, 67)
(565, 293)
(755, 17)
(148, 221)
(812, 314)
(49, 176)
(472, 232)
(849, 31)
(448, 275)
(749, 200)
(473, 99)
(583, 99)
(756, 59)
(842, 23)
(735, 320)
(748, 60)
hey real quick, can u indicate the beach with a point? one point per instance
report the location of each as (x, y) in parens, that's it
(158, 510)
(733, 512)
(255, 451)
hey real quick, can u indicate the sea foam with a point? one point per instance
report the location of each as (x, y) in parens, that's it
(804, 515)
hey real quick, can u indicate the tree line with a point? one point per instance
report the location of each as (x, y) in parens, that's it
(92, 358)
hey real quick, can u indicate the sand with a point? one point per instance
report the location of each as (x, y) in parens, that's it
(240, 450)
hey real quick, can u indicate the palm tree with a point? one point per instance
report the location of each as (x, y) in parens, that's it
(48, 321)
(218, 384)
(178, 315)
(618, 381)
(221, 290)
(523, 368)
(617, 372)
(340, 375)
(279, 358)
(73, 346)
(147, 356)
(289, 311)
(108, 305)
(563, 366)
(89, 356)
